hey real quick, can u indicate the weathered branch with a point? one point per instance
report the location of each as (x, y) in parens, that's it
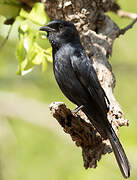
(82, 133)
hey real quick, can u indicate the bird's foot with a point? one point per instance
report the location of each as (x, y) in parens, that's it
(75, 111)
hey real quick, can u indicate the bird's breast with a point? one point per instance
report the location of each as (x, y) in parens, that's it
(63, 71)
(67, 79)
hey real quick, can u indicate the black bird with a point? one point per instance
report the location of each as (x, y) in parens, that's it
(78, 81)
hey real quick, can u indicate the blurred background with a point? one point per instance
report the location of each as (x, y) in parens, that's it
(32, 144)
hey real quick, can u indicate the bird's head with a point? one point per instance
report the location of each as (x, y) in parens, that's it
(60, 32)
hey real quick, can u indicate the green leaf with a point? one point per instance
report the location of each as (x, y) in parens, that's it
(9, 10)
(24, 27)
(32, 49)
(22, 71)
(44, 65)
(48, 55)
(37, 14)
(24, 13)
(29, 53)
(4, 29)
(42, 40)
(39, 58)
(21, 51)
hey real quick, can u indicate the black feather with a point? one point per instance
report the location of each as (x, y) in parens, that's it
(119, 153)
(78, 81)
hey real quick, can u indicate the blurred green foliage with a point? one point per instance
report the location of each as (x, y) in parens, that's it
(38, 153)
(31, 50)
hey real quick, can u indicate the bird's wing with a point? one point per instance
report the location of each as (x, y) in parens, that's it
(87, 76)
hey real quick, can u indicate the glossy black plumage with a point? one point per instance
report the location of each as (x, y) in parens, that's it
(78, 81)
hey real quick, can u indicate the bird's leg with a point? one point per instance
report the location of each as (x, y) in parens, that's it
(75, 111)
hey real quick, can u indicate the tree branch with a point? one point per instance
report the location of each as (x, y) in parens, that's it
(125, 14)
(82, 133)
(124, 30)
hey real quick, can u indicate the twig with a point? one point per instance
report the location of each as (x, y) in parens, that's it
(125, 14)
(124, 30)
(82, 133)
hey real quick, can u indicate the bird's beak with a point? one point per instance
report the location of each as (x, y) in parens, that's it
(47, 29)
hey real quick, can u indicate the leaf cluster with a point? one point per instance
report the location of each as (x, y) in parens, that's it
(33, 47)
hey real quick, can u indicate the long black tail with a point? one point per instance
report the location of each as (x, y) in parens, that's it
(106, 131)
(119, 153)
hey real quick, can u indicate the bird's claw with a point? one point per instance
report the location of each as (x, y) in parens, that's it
(75, 111)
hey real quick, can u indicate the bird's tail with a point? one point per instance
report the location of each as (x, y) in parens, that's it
(119, 153)
(106, 131)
